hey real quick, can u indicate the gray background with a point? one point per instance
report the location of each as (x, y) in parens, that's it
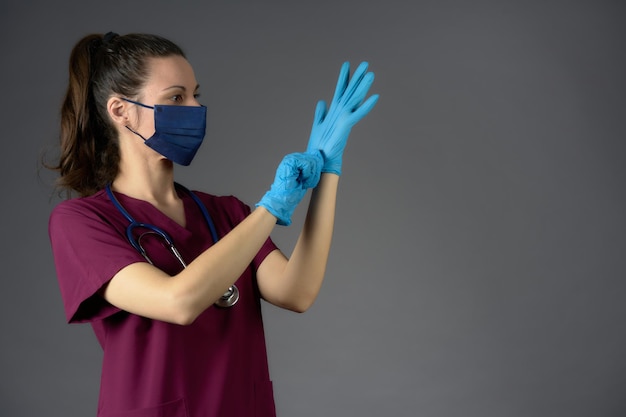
(478, 263)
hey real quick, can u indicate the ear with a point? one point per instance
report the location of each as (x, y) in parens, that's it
(118, 111)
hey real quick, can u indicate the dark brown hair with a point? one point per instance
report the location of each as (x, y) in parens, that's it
(100, 66)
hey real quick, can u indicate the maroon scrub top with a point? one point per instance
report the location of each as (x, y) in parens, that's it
(217, 366)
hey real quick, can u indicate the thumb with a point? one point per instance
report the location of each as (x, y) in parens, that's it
(320, 113)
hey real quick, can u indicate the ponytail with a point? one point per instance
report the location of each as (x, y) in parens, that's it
(84, 139)
(100, 67)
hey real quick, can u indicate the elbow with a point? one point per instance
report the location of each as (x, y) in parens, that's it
(183, 310)
(299, 301)
(182, 316)
(184, 319)
(187, 306)
(300, 305)
(299, 310)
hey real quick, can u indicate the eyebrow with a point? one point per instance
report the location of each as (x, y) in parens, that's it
(181, 87)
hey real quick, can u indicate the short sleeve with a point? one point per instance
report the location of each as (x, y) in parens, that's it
(268, 247)
(88, 251)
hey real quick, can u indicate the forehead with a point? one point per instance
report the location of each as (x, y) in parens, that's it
(164, 72)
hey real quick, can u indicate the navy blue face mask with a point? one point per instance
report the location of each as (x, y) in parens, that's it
(179, 131)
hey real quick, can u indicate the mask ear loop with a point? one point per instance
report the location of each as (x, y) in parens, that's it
(139, 104)
(136, 133)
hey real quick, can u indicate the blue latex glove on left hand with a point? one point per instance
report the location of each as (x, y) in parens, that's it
(331, 127)
(296, 173)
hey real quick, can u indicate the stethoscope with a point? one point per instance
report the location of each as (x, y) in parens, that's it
(230, 297)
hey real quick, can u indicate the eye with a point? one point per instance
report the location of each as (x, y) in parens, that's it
(177, 98)
(196, 96)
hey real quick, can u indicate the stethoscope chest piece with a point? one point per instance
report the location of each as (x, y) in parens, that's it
(230, 297)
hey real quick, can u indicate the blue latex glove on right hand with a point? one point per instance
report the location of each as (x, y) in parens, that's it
(296, 173)
(331, 127)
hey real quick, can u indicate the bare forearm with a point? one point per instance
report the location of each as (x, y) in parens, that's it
(142, 289)
(298, 284)
(211, 273)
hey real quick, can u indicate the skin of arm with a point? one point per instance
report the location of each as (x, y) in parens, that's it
(295, 283)
(143, 289)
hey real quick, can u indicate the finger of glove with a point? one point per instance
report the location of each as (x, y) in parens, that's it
(288, 190)
(288, 174)
(299, 171)
(355, 81)
(320, 112)
(360, 92)
(304, 169)
(354, 95)
(342, 81)
(334, 113)
(317, 130)
(363, 110)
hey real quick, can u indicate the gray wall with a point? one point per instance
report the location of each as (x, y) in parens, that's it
(478, 264)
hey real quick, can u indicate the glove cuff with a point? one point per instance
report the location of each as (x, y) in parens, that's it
(333, 167)
(283, 218)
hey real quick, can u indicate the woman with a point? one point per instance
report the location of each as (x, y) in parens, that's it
(170, 280)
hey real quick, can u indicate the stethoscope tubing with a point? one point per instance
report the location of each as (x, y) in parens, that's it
(230, 297)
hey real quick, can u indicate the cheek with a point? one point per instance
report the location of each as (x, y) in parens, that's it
(145, 122)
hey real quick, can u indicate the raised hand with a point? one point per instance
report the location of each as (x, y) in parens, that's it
(331, 126)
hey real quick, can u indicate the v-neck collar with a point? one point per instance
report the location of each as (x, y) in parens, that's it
(140, 206)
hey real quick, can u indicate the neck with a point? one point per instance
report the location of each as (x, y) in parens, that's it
(153, 182)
